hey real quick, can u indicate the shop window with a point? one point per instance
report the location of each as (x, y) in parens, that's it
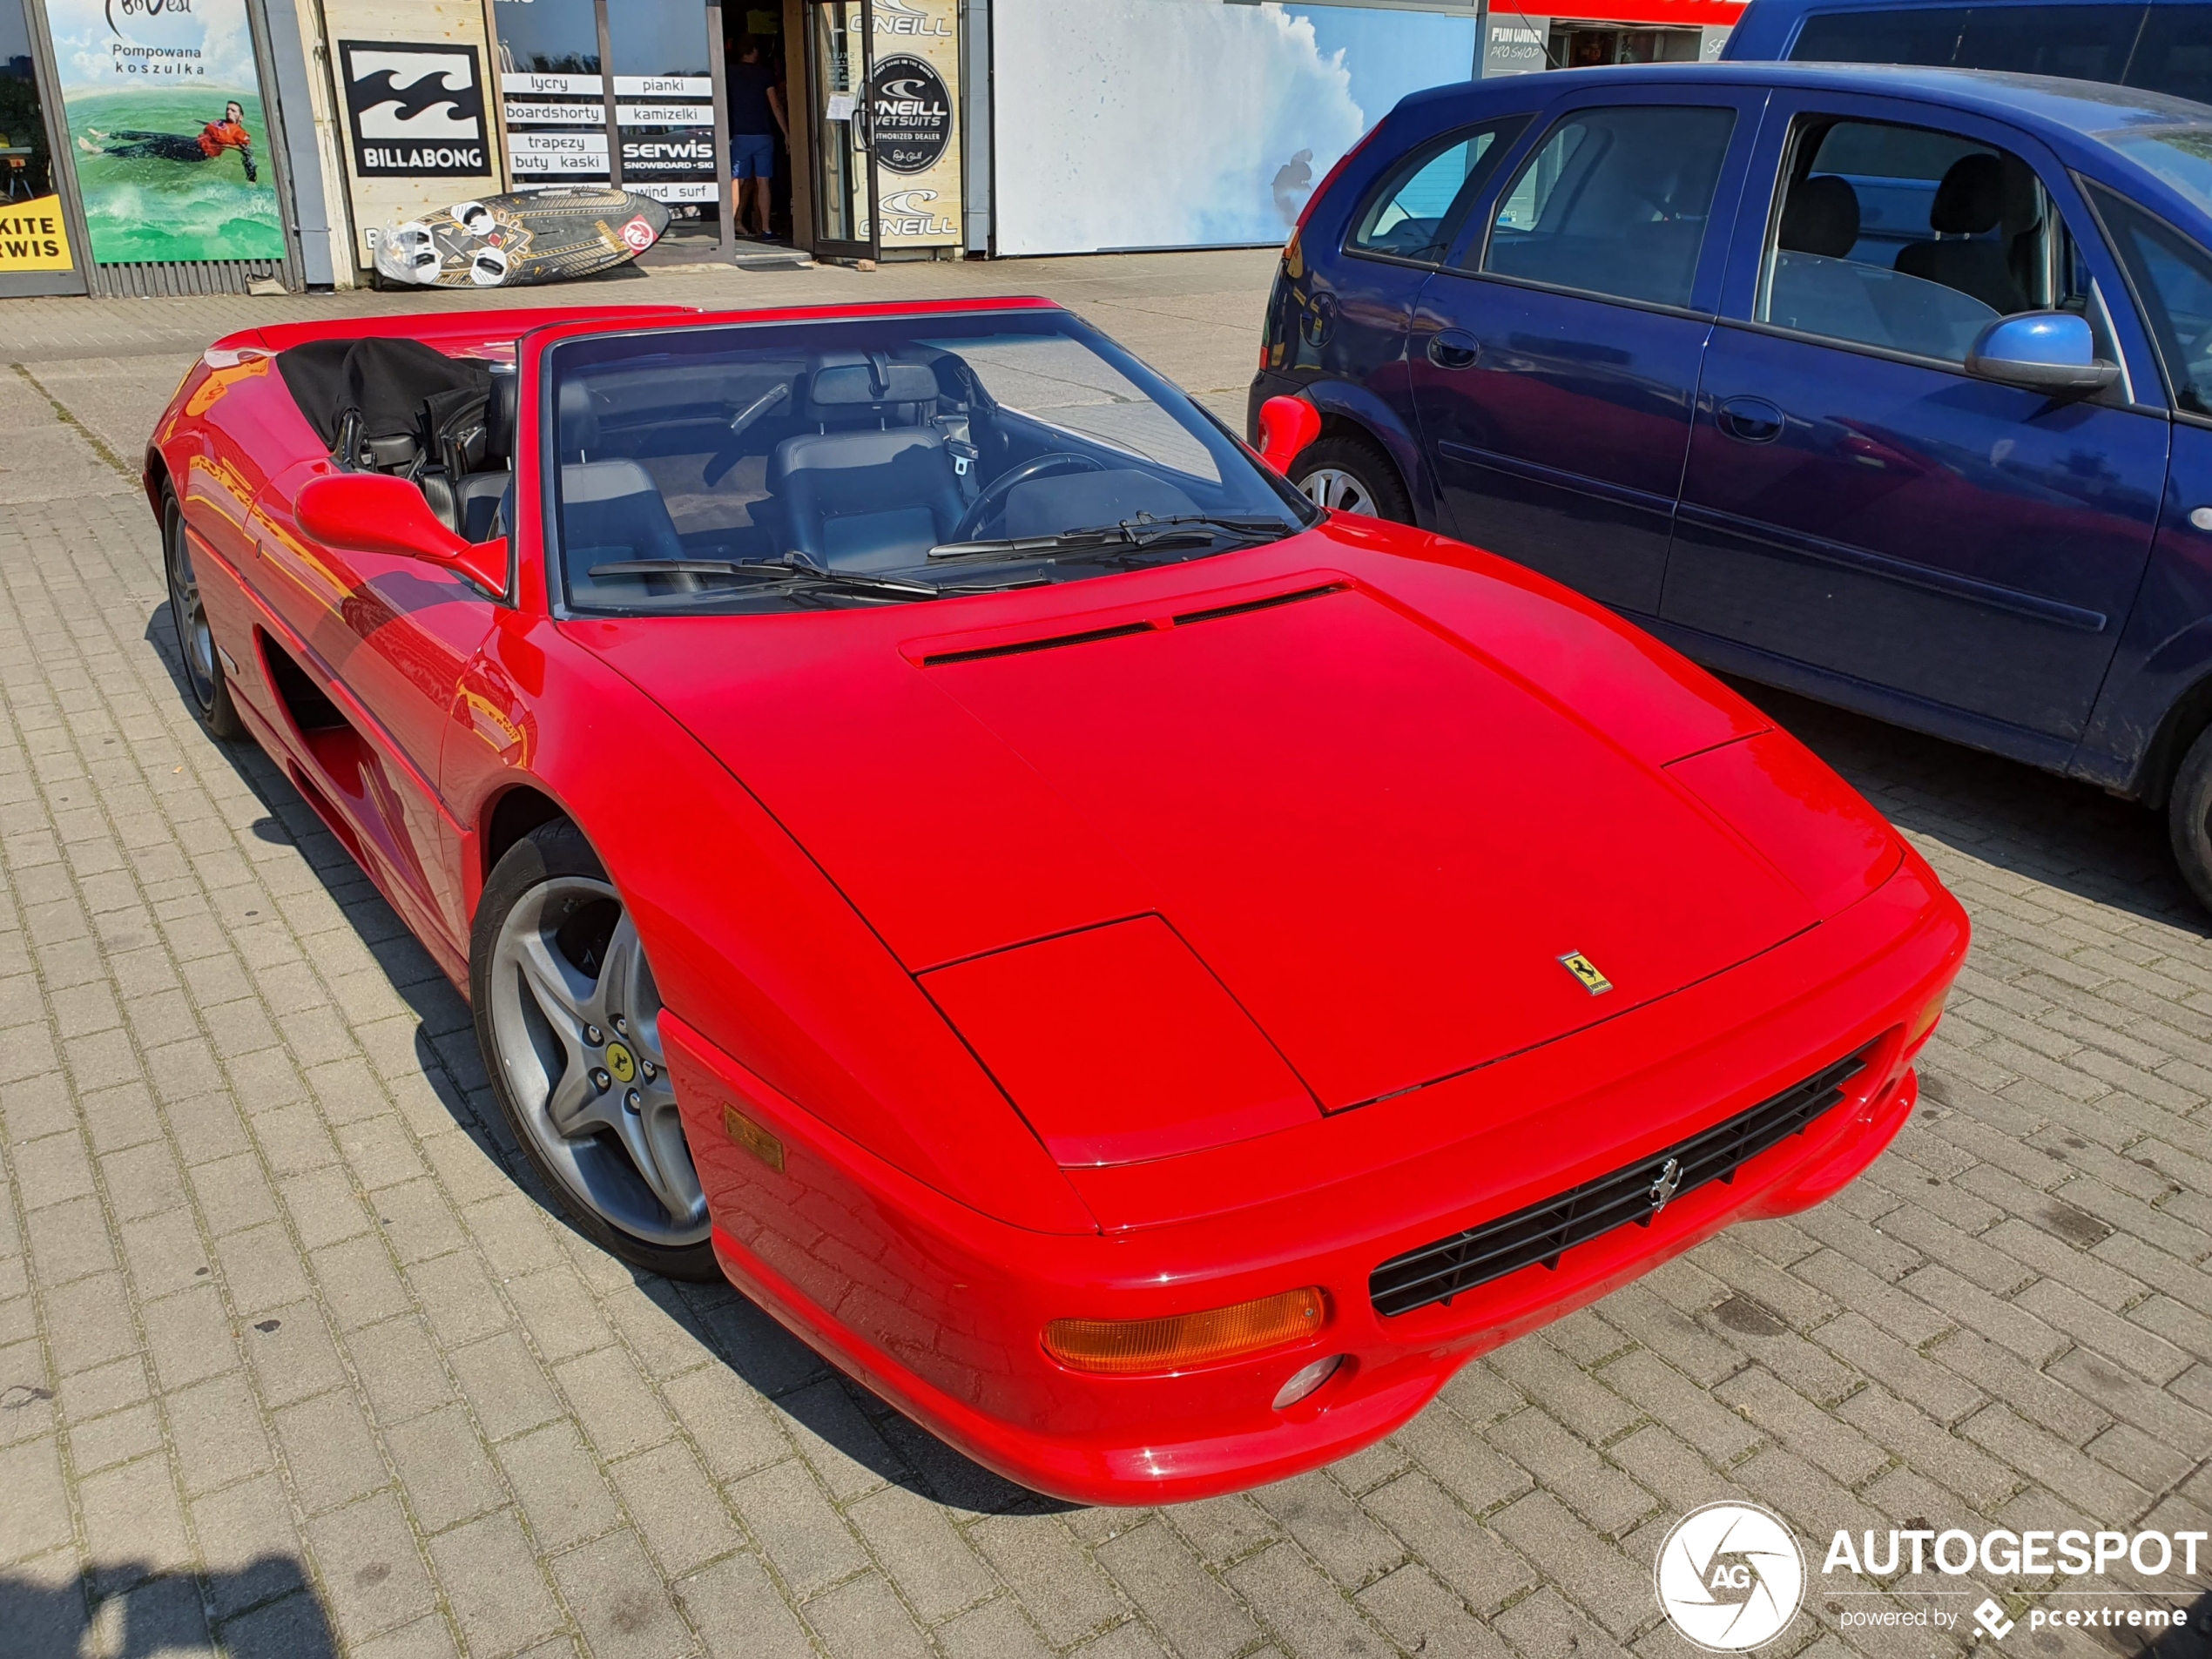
(1615, 202)
(1416, 210)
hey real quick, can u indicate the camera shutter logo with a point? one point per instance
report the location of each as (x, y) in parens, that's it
(1729, 1577)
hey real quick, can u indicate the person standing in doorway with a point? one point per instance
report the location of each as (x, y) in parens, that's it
(756, 117)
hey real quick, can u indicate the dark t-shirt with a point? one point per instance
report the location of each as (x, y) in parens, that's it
(749, 111)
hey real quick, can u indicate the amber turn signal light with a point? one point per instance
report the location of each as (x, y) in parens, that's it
(1925, 1021)
(1135, 1347)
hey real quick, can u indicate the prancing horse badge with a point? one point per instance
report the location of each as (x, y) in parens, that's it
(1586, 971)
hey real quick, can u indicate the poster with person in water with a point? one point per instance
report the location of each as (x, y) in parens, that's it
(165, 114)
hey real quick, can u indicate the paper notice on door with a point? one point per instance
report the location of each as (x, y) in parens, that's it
(840, 107)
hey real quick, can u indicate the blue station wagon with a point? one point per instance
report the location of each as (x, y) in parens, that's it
(1893, 387)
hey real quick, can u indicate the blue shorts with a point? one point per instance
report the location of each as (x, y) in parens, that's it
(753, 155)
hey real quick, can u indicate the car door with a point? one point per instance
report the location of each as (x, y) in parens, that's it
(1345, 298)
(1861, 516)
(2166, 652)
(369, 679)
(1554, 357)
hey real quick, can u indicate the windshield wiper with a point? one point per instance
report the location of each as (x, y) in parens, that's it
(1136, 534)
(812, 575)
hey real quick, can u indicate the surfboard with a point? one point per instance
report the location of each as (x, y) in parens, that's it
(520, 239)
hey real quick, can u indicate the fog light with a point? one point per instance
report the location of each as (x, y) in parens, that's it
(1305, 1381)
(1133, 1347)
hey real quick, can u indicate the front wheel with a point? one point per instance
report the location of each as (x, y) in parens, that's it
(204, 679)
(2190, 817)
(1351, 475)
(569, 1019)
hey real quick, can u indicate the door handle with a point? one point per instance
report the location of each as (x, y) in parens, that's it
(1454, 348)
(1749, 419)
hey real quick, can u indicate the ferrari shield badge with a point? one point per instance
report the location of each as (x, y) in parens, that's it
(1586, 973)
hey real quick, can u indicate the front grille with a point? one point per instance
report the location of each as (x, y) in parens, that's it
(1439, 1271)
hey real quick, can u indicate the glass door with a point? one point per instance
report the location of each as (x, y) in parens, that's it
(36, 255)
(838, 64)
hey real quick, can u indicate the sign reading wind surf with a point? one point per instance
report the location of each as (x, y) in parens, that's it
(417, 111)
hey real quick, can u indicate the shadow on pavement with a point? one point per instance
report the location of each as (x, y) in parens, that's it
(840, 1411)
(267, 1606)
(2011, 816)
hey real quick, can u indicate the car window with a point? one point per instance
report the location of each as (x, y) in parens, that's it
(2179, 155)
(874, 460)
(1614, 201)
(1919, 36)
(2171, 277)
(1912, 240)
(1410, 213)
(2174, 53)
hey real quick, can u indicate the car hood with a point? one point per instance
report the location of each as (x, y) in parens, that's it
(1384, 838)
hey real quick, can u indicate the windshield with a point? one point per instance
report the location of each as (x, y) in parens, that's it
(2181, 156)
(881, 461)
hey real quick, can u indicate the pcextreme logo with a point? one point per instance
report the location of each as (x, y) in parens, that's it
(1729, 1577)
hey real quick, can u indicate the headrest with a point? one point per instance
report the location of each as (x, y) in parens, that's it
(579, 418)
(585, 482)
(499, 419)
(1971, 198)
(1821, 216)
(861, 380)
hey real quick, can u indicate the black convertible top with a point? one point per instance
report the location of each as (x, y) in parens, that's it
(388, 380)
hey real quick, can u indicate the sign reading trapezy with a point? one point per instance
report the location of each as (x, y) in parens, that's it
(416, 111)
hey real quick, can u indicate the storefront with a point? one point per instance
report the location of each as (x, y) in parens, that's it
(1613, 31)
(143, 150)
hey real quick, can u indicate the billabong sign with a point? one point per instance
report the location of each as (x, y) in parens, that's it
(417, 111)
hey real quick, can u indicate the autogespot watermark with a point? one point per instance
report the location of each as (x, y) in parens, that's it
(1730, 1577)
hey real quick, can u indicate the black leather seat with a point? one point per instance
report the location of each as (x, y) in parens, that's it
(1968, 203)
(1820, 217)
(612, 512)
(873, 488)
(478, 496)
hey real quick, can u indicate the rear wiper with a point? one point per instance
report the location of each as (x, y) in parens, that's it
(812, 575)
(1138, 533)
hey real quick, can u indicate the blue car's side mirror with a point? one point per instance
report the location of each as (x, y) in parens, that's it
(2042, 351)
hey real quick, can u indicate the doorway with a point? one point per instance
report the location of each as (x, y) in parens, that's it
(1588, 45)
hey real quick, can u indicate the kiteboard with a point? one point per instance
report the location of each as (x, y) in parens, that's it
(515, 240)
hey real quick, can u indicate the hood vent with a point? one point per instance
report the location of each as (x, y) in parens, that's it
(1053, 642)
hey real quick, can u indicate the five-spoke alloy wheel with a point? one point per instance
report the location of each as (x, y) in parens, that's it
(569, 1022)
(210, 692)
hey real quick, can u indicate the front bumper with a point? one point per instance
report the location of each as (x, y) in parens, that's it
(940, 1309)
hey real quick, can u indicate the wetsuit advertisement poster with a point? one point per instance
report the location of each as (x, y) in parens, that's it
(914, 91)
(164, 111)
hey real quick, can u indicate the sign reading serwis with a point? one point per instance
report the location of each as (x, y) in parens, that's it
(417, 111)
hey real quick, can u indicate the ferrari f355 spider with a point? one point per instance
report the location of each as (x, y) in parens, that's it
(1148, 975)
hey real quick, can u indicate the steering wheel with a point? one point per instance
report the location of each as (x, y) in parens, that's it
(996, 490)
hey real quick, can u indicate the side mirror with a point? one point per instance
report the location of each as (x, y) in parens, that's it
(1286, 426)
(370, 512)
(2042, 351)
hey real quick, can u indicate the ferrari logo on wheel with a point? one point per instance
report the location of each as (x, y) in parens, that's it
(1585, 971)
(622, 1065)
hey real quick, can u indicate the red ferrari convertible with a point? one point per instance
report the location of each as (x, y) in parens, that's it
(1148, 975)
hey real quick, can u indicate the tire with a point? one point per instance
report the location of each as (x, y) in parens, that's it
(206, 686)
(567, 1016)
(1351, 475)
(2188, 813)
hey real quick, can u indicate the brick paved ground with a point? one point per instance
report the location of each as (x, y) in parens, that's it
(291, 1363)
